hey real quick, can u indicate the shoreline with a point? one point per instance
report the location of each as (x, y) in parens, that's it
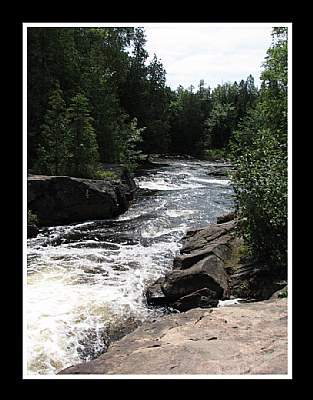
(241, 339)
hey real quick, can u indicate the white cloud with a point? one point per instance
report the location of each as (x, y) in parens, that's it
(214, 52)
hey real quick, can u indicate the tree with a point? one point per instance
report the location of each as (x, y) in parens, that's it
(156, 115)
(229, 104)
(133, 93)
(219, 125)
(83, 147)
(53, 152)
(128, 140)
(52, 57)
(188, 112)
(259, 152)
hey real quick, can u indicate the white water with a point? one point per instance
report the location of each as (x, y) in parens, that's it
(86, 282)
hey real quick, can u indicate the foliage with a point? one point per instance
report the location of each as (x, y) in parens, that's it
(83, 146)
(259, 153)
(95, 63)
(128, 140)
(219, 125)
(53, 151)
(32, 218)
(129, 112)
(230, 103)
(100, 174)
(283, 293)
(215, 154)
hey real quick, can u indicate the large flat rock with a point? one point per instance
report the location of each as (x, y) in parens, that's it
(243, 339)
(59, 200)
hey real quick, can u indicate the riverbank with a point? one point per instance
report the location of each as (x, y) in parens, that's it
(248, 337)
(86, 282)
(243, 339)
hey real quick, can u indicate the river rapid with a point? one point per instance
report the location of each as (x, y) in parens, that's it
(86, 282)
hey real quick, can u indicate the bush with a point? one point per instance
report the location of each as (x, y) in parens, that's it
(260, 186)
(105, 175)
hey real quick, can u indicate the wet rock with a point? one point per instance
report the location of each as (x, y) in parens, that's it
(155, 295)
(226, 217)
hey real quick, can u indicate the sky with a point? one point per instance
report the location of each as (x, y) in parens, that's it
(216, 53)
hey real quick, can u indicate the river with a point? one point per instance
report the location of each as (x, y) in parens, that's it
(86, 282)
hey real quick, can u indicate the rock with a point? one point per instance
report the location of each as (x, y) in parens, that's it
(124, 176)
(242, 339)
(209, 268)
(250, 279)
(203, 242)
(219, 170)
(203, 284)
(32, 231)
(226, 217)
(155, 295)
(199, 277)
(59, 200)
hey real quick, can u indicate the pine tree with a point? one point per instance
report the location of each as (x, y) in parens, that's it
(84, 147)
(53, 153)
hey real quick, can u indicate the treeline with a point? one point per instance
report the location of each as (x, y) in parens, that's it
(92, 96)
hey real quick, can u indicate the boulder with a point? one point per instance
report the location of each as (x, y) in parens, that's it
(198, 277)
(203, 284)
(59, 200)
(209, 268)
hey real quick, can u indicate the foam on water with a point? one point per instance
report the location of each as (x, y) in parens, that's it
(167, 185)
(86, 282)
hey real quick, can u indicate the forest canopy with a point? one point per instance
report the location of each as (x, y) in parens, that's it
(128, 112)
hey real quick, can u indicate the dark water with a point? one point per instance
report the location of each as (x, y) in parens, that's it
(86, 282)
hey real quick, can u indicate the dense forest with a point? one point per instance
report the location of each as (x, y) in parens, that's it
(92, 97)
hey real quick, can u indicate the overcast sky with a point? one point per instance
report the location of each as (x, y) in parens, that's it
(217, 53)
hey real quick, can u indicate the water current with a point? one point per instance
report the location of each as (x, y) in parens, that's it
(86, 282)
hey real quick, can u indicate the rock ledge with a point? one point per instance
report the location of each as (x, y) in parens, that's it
(60, 200)
(244, 339)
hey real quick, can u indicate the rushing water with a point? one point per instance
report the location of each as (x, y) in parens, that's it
(86, 282)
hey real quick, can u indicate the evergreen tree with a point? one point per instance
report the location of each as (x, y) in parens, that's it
(84, 148)
(133, 93)
(188, 111)
(52, 56)
(156, 118)
(53, 152)
(128, 140)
